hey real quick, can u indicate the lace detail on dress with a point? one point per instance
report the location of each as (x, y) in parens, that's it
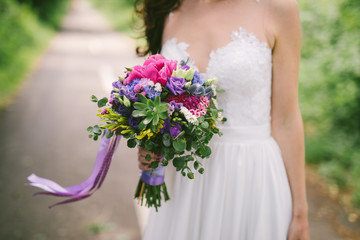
(244, 68)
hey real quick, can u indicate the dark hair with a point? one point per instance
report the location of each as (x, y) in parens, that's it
(153, 13)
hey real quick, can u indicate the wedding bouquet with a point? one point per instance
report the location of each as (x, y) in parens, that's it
(164, 106)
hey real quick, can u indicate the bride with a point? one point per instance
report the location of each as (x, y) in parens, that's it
(253, 187)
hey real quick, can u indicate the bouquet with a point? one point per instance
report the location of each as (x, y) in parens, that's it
(164, 106)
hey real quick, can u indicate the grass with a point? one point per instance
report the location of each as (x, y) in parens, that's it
(24, 38)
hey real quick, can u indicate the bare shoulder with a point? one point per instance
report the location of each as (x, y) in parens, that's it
(284, 16)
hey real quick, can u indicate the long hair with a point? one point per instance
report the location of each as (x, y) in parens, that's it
(153, 13)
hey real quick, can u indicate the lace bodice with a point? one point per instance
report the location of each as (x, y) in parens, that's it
(243, 68)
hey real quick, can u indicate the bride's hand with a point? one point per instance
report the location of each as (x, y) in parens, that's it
(143, 163)
(299, 229)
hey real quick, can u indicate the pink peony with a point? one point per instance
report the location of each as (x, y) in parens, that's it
(156, 68)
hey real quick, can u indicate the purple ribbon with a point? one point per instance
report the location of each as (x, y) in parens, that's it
(154, 177)
(89, 186)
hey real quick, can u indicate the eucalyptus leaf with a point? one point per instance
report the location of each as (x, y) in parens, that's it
(102, 102)
(190, 175)
(179, 145)
(131, 143)
(201, 170)
(154, 164)
(166, 140)
(94, 98)
(178, 162)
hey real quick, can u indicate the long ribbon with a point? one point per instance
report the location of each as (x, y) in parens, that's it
(89, 186)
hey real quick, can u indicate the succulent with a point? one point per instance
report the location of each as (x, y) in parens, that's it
(152, 111)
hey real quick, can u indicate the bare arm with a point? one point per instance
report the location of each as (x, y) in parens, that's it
(287, 126)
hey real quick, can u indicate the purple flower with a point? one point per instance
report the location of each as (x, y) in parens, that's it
(198, 78)
(185, 67)
(175, 129)
(177, 106)
(166, 126)
(124, 111)
(176, 85)
(134, 122)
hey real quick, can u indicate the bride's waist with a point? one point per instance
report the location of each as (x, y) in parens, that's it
(244, 133)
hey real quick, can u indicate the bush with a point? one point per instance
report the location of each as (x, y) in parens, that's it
(23, 38)
(49, 12)
(330, 89)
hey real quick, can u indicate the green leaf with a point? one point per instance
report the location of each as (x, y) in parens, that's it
(140, 106)
(153, 127)
(179, 162)
(204, 124)
(201, 119)
(102, 102)
(166, 140)
(196, 165)
(157, 101)
(205, 151)
(201, 170)
(109, 134)
(147, 120)
(150, 103)
(138, 113)
(156, 119)
(148, 157)
(97, 130)
(96, 137)
(131, 143)
(214, 113)
(163, 115)
(163, 107)
(165, 162)
(128, 69)
(94, 98)
(179, 145)
(89, 129)
(190, 175)
(142, 98)
(142, 126)
(154, 164)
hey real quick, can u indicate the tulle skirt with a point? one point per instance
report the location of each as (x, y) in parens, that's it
(243, 194)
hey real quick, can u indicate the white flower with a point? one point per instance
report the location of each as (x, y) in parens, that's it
(151, 84)
(214, 89)
(170, 110)
(158, 87)
(215, 102)
(189, 116)
(220, 117)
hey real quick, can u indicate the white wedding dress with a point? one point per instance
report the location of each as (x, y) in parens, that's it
(244, 193)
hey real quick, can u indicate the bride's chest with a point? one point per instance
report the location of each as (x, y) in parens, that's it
(243, 62)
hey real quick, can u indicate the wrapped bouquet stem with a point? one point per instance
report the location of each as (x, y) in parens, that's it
(164, 106)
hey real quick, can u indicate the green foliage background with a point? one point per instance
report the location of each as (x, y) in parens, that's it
(330, 89)
(26, 28)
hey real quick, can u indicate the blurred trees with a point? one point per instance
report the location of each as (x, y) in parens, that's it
(50, 12)
(25, 29)
(330, 89)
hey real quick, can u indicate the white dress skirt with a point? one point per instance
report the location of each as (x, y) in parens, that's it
(244, 193)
